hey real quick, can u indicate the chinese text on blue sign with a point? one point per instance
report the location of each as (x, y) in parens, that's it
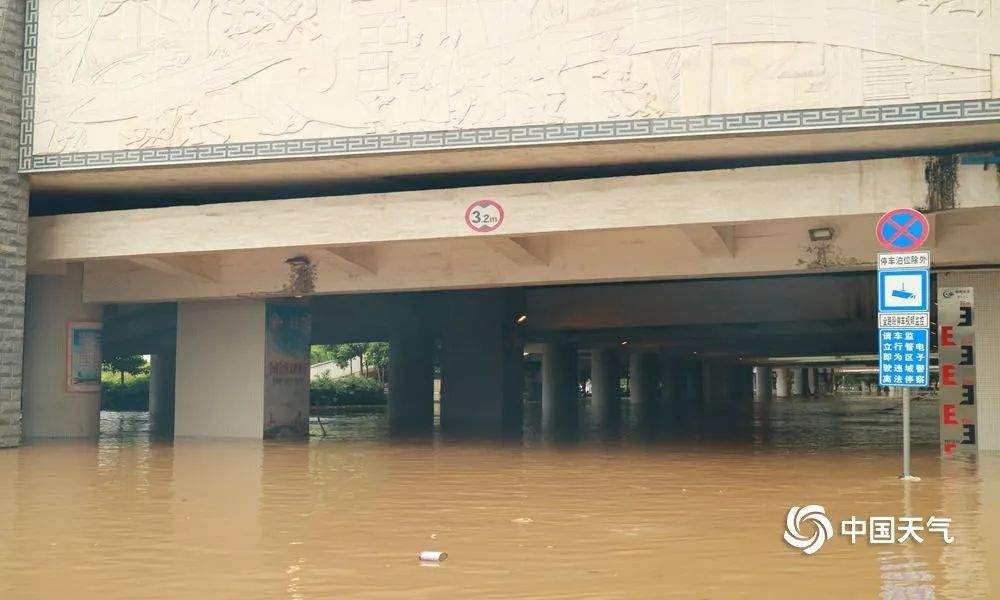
(904, 357)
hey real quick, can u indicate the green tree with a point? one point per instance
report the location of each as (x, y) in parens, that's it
(376, 354)
(320, 354)
(133, 364)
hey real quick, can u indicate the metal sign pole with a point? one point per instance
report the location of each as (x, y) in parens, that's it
(906, 433)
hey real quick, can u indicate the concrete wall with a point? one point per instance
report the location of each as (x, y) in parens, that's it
(50, 411)
(220, 369)
(13, 223)
(167, 74)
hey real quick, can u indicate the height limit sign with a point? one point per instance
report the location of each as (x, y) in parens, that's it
(903, 300)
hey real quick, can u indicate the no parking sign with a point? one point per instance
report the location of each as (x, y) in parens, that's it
(902, 230)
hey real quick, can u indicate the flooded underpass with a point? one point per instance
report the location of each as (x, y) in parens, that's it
(621, 516)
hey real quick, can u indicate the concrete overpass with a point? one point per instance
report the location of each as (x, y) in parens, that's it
(702, 190)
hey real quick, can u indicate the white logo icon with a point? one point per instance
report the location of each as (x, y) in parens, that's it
(814, 514)
(904, 290)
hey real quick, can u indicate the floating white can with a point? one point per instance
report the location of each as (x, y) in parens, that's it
(432, 556)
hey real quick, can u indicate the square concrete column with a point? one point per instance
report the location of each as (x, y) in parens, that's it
(605, 394)
(242, 369)
(675, 400)
(811, 378)
(52, 406)
(763, 382)
(560, 388)
(728, 391)
(798, 381)
(482, 364)
(162, 382)
(411, 383)
(644, 386)
(782, 385)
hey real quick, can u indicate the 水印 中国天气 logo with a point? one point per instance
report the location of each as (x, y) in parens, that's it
(808, 517)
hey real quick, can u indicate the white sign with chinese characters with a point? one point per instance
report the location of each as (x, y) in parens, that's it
(904, 260)
(917, 320)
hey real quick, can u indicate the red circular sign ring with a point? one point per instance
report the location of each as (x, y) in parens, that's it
(484, 220)
(914, 243)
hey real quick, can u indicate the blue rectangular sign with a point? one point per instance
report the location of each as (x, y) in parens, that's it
(904, 357)
(903, 290)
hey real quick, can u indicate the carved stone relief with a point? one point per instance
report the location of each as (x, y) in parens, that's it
(132, 74)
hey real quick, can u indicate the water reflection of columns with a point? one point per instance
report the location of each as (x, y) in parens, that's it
(288, 497)
(217, 502)
(54, 490)
(970, 494)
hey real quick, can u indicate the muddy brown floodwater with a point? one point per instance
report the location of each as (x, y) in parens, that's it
(345, 516)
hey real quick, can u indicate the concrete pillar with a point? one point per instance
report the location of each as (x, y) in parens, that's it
(675, 403)
(411, 383)
(533, 381)
(728, 393)
(798, 381)
(161, 393)
(13, 226)
(782, 385)
(605, 377)
(762, 385)
(242, 369)
(643, 378)
(811, 378)
(482, 365)
(50, 409)
(560, 390)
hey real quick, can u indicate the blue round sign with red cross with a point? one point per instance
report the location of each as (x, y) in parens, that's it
(902, 230)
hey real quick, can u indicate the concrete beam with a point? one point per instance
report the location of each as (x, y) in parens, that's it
(766, 248)
(356, 261)
(712, 240)
(200, 268)
(523, 251)
(720, 197)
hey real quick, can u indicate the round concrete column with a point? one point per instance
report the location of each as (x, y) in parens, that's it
(560, 392)
(782, 385)
(812, 389)
(763, 382)
(411, 384)
(605, 391)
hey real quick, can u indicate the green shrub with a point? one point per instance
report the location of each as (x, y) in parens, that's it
(133, 395)
(346, 391)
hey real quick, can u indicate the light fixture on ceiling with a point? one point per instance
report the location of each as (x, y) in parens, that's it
(821, 234)
(521, 319)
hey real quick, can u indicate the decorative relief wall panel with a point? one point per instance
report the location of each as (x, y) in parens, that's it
(115, 80)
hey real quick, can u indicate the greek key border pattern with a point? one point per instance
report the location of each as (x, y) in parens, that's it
(28, 85)
(638, 129)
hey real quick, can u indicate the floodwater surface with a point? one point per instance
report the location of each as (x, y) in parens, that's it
(344, 516)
